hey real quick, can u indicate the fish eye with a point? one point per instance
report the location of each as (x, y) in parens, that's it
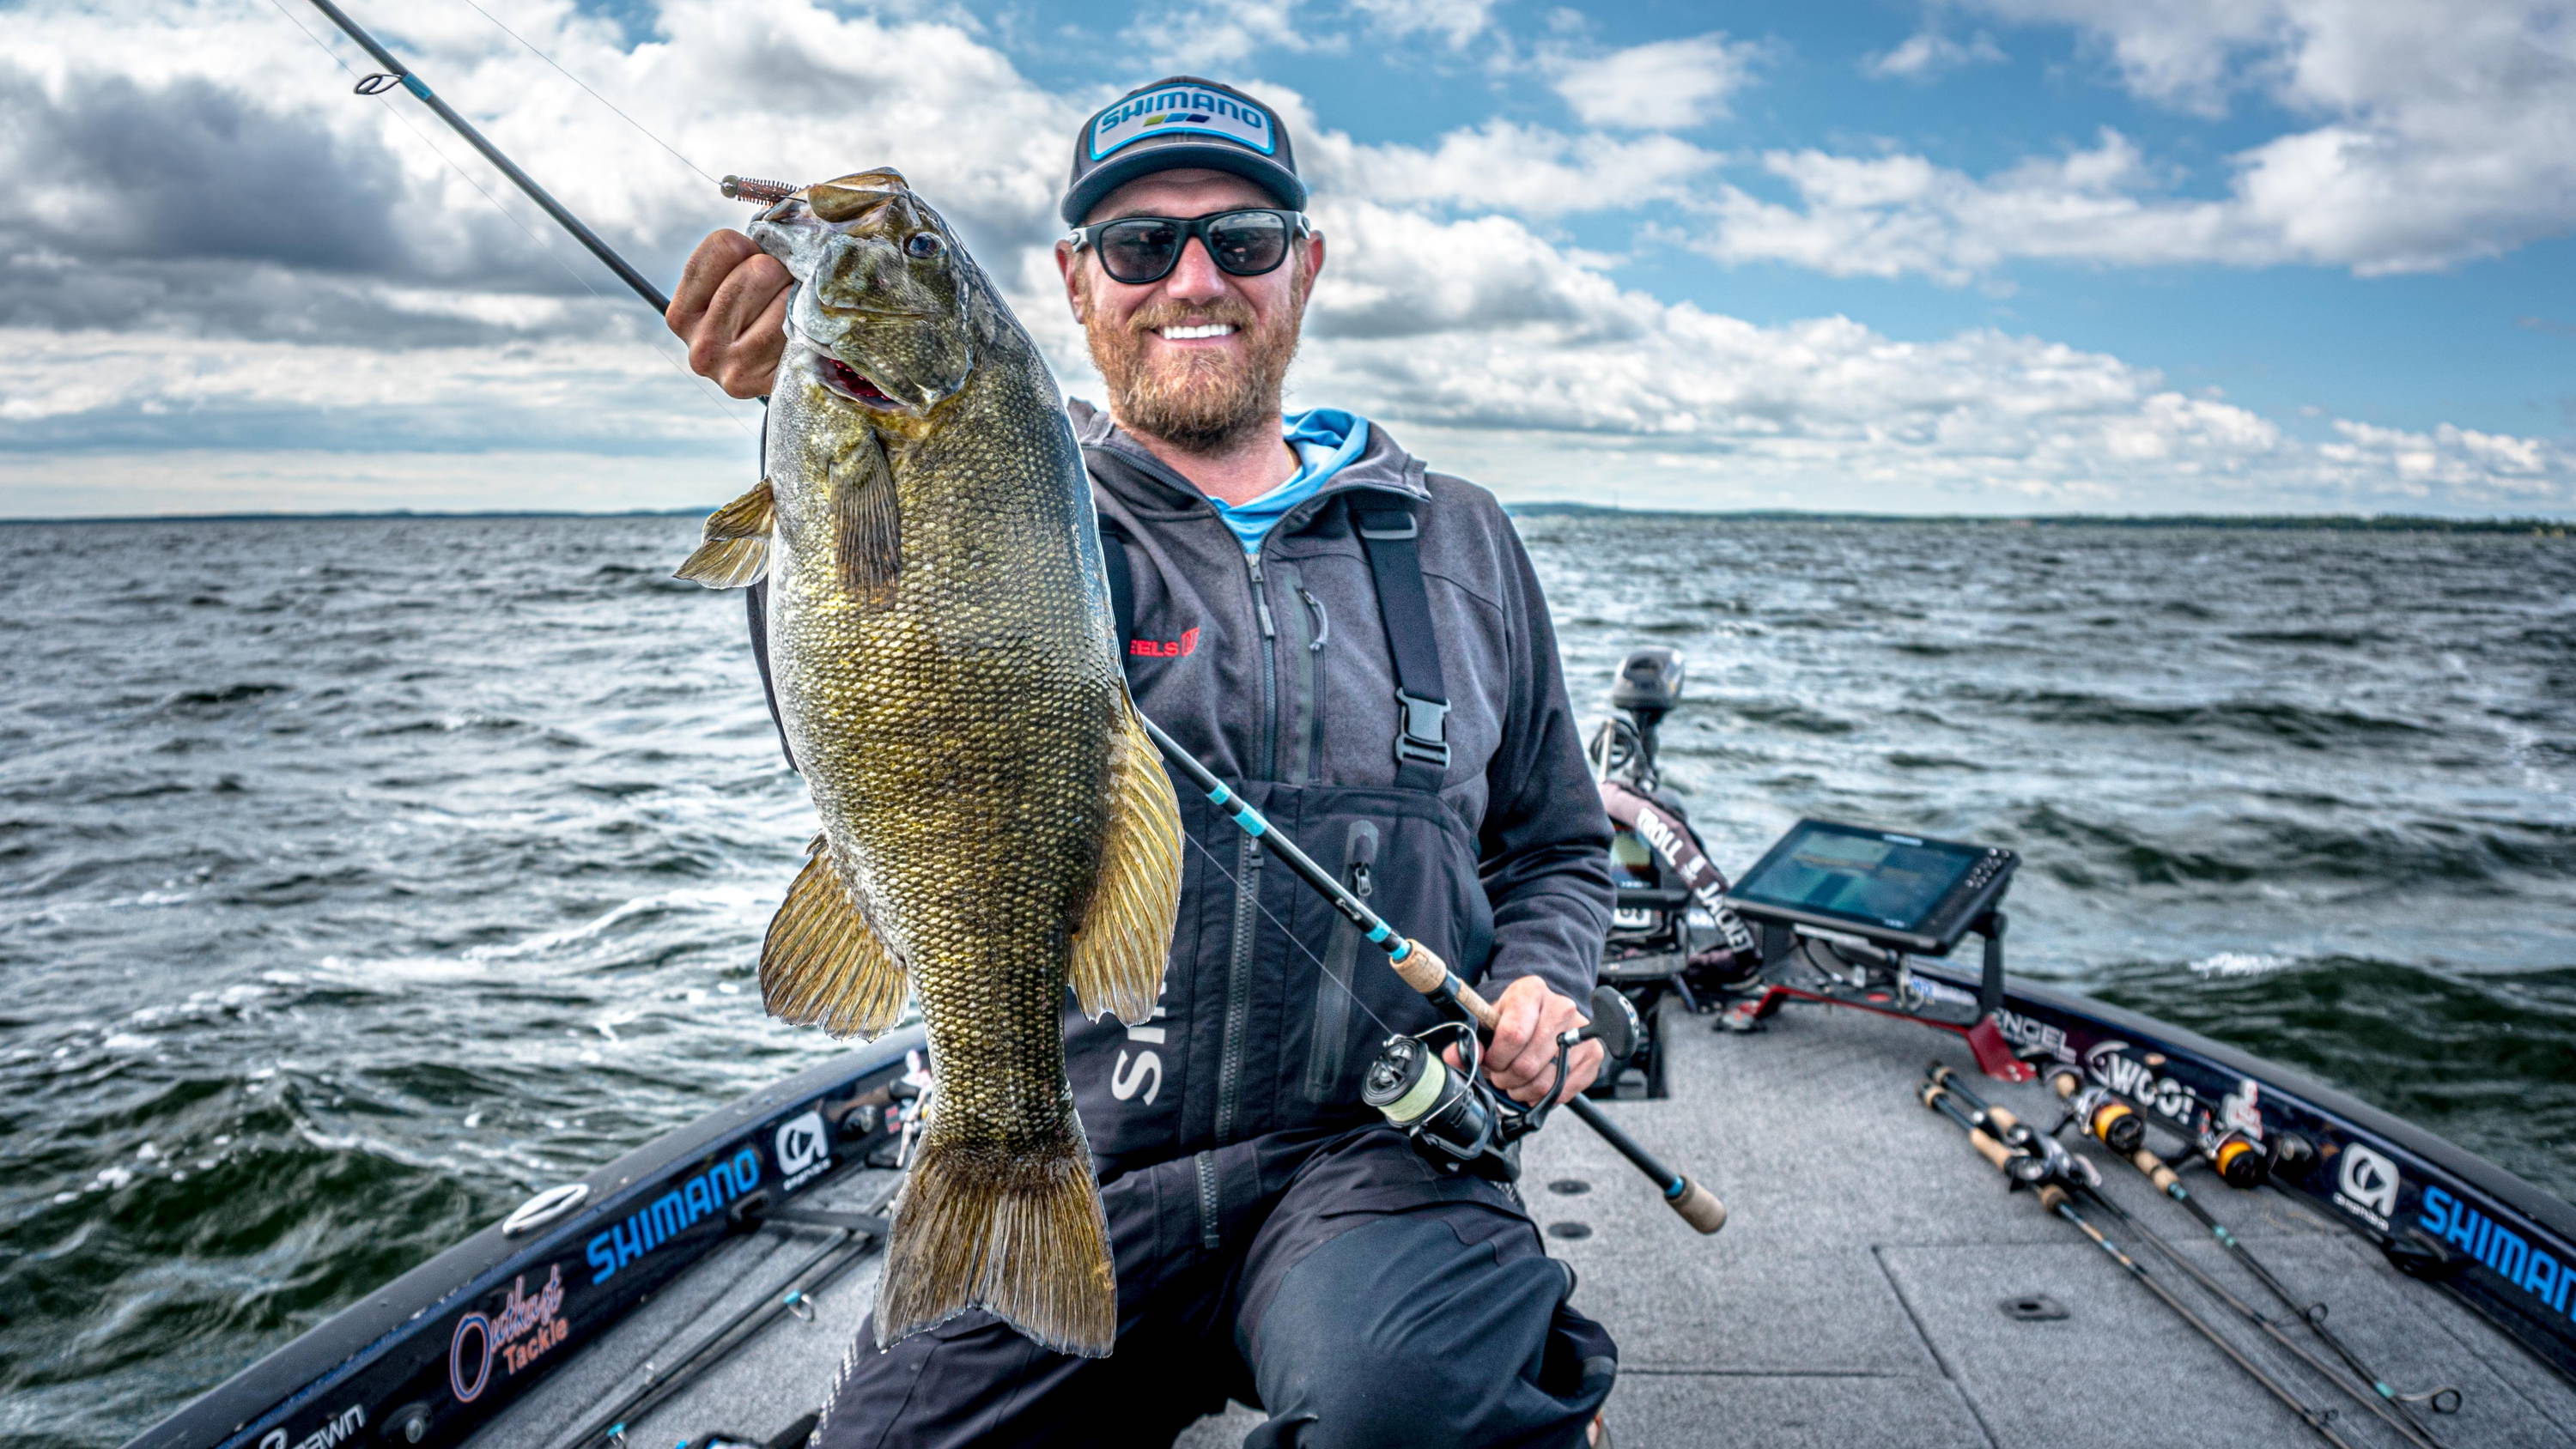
(924, 245)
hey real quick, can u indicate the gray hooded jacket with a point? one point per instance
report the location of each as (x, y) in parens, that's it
(1276, 668)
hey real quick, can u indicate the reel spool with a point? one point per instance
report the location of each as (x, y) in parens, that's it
(2105, 1118)
(1450, 1116)
(2241, 1162)
(1454, 1117)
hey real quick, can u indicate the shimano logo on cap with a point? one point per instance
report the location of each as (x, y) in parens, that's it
(1181, 108)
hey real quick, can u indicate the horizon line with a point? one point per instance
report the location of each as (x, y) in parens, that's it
(1540, 507)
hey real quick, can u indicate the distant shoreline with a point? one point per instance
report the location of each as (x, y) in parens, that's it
(2332, 522)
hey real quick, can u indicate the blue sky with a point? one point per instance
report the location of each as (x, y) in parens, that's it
(1983, 256)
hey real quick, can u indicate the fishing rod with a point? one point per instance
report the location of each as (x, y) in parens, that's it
(1415, 1085)
(2443, 1400)
(2057, 1193)
(1420, 967)
(396, 73)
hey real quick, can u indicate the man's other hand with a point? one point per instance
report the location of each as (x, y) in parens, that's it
(1522, 1056)
(731, 308)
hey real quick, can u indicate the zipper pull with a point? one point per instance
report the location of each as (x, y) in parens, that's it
(1261, 601)
(1323, 624)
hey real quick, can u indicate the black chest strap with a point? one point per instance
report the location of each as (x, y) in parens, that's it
(1122, 584)
(1389, 531)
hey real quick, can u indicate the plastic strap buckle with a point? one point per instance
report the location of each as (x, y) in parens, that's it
(1392, 523)
(1422, 731)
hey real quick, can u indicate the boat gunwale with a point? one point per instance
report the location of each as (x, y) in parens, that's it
(2549, 1336)
(261, 1401)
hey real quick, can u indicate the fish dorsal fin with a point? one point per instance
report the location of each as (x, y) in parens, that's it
(869, 535)
(736, 547)
(823, 964)
(1126, 932)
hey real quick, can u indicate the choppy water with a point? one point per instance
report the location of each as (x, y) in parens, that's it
(357, 877)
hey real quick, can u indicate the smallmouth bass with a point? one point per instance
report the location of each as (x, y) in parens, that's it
(996, 825)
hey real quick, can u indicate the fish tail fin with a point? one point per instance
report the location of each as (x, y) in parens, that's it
(735, 551)
(1019, 1234)
(1126, 931)
(822, 963)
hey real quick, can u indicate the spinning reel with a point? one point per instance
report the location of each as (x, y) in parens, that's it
(1454, 1117)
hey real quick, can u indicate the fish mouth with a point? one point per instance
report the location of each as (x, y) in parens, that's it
(853, 384)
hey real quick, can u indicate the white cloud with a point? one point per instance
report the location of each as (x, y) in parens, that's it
(2449, 461)
(1456, 21)
(2444, 133)
(1661, 85)
(1928, 53)
(2184, 53)
(1213, 35)
(1526, 170)
(421, 328)
(1893, 215)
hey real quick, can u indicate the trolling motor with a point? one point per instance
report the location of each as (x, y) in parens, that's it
(1647, 688)
(1455, 1118)
(1671, 931)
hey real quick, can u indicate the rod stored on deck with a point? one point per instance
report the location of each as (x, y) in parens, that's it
(2060, 1185)
(2442, 1400)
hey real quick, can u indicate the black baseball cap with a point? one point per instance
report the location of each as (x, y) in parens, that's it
(1176, 122)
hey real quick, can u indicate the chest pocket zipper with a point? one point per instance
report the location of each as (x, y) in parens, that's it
(1329, 1052)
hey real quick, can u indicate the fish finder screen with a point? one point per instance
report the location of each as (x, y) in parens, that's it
(1866, 876)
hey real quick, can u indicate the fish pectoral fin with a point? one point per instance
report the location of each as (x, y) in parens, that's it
(871, 531)
(1126, 933)
(823, 965)
(735, 550)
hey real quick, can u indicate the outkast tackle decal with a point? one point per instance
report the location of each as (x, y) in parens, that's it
(517, 1334)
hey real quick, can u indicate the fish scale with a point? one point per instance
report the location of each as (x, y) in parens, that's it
(995, 826)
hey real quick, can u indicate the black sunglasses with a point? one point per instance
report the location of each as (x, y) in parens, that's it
(1141, 249)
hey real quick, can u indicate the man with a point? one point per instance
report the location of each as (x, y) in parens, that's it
(1360, 647)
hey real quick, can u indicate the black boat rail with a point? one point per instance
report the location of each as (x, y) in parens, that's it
(439, 1351)
(2440, 1213)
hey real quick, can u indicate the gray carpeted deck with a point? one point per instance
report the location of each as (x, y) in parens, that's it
(1854, 1300)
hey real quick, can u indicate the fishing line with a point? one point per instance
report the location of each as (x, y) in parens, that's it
(700, 385)
(594, 95)
(1321, 969)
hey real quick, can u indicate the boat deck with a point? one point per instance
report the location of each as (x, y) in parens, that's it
(1856, 1298)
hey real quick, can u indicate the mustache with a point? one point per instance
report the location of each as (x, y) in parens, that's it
(1227, 310)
